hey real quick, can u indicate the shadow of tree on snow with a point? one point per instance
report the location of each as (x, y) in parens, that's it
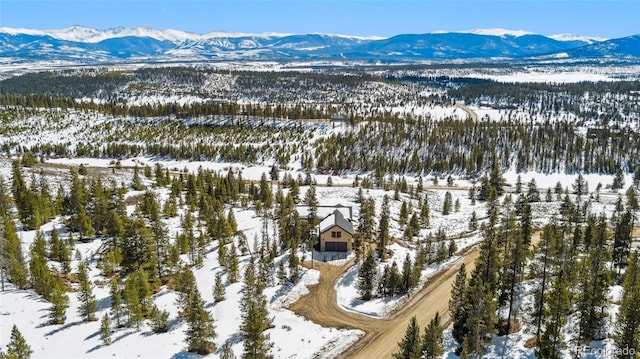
(65, 326)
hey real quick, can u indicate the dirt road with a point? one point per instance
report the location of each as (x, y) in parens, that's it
(381, 341)
(382, 335)
(470, 113)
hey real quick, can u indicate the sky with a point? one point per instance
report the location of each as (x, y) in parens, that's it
(608, 18)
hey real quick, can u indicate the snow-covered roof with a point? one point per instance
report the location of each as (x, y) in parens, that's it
(336, 219)
(325, 211)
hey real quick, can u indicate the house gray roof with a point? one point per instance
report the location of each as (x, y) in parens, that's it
(336, 219)
(325, 211)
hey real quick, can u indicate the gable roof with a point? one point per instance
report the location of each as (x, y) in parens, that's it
(336, 219)
(325, 211)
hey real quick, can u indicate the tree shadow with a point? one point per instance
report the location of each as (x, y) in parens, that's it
(113, 341)
(63, 327)
(104, 303)
(95, 348)
(282, 291)
(97, 333)
(186, 355)
(123, 336)
(173, 324)
(235, 338)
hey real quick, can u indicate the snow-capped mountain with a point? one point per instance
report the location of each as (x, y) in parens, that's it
(87, 45)
(626, 47)
(571, 37)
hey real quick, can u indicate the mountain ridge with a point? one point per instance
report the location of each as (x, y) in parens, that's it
(87, 45)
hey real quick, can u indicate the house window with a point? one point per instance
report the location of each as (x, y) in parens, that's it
(336, 234)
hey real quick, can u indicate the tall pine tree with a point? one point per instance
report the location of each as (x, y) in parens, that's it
(410, 347)
(628, 325)
(59, 302)
(17, 347)
(200, 331)
(88, 305)
(433, 339)
(255, 317)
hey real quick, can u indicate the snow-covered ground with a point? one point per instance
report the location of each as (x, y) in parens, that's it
(292, 335)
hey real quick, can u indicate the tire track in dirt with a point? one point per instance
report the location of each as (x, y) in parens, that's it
(382, 335)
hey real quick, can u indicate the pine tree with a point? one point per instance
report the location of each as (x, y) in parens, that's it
(255, 317)
(218, 289)
(473, 222)
(456, 304)
(410, 346)
(133, 301)
(473, 194)
(266, 195)
(383, 228)
(541, 268)
(25, 198)
(489, 260)
(117, 310)
(65, 258)
(432, 345)
(409, 280)
(282, 273)
(480, 309)
(41, 277)
(227, 352)
(633, 203)
(14, 260)
(519, 185)
(233, 265)
(105, 330)
(56, 246)
(446, 206)
(580, 186)
(59, 302)
(83, 223)
(159, 319)
(594, 284)
(404, 213)
(136, 182)
(622, 238)
(618, 179)
(366, 277)
(557, 308)
(88, 305)
(533, 195)
(17, 347)
(144, 290)
(5, 198)
(453, 247)
(515, 257)
(628, 323)
(424, 215)
(200, 331)
(393, 280)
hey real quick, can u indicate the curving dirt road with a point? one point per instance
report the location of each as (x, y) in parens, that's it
(382, 335)
(470, 113)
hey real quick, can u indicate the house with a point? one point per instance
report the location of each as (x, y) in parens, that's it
(336, 233)
(304, 212)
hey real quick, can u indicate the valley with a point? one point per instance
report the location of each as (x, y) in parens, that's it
(184, 200)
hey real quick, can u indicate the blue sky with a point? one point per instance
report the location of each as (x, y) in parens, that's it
(611, 19)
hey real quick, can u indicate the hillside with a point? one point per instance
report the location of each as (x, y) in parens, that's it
(153, 211)
(91, 46)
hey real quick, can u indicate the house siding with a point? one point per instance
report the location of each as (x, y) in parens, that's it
(341, 236)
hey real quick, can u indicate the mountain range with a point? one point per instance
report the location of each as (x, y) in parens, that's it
(86, 45)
